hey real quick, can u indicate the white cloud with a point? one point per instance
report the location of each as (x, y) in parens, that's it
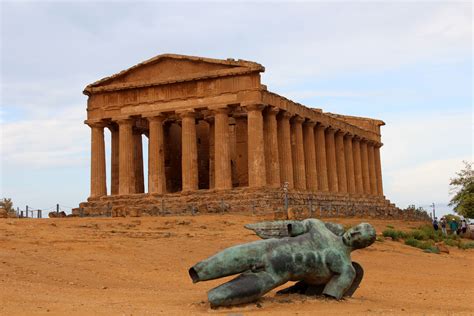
(424, 183)
(57, 140)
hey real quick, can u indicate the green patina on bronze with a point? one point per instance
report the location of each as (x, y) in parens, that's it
(310, 251)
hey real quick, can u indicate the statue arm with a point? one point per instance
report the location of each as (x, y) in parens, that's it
(336, 229)
(296, 228)
(344, 274)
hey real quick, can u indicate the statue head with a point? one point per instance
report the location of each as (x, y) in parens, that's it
(360, 236)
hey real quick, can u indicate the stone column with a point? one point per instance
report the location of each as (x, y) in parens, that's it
(223, 172)
(331, 159)
(241, 138)
(378, 169)
(284, 149)
(348, 155)
(299, 171)
(320, 148)
(272, 162)
(341, 163)
(156, 156)
(98, 177)
(189, 167)
(372, 172)
(114, 159)
(212, 182)
(126, 153)
(256, 152)
(364, 157)
(138, 161)
(310, 156)
(357, 165)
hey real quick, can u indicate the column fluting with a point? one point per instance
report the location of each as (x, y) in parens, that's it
(331, 159)
(378, 169)
(126, 153)
(357, 165)
(310, 156)
(349, 157)
(98, 176)
(223, 174)
(284, 148)
(156, 156)
(320, 148)
(341, 163)
(189, 167)
(272, 162)
(365, 166)
(372, 171)
(299, 172)
(256, 151)
(114, 159)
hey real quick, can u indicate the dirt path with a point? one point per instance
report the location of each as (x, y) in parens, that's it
(138, 266)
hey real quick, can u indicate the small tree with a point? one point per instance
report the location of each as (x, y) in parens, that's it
(7, 205)
(462, 186)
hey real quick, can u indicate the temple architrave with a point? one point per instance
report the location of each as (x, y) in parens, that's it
(218, 138)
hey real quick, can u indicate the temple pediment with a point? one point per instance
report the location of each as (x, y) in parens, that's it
(169, 68)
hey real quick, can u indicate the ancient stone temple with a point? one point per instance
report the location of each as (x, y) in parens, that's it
(218, 139)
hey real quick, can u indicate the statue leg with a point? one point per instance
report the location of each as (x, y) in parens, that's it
(245, 288)
(230, 261)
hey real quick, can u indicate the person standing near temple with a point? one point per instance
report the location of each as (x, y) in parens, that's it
(435, 224)
(443, 225)
(454, 226)
(463, 226)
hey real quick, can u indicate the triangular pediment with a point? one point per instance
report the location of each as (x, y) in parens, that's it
(170, 67)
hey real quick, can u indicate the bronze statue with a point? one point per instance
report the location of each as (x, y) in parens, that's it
(315, 253)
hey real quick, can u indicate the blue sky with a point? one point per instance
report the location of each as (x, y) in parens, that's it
(407, 63)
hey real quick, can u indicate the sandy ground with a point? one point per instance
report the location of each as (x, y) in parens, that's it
(138, 266)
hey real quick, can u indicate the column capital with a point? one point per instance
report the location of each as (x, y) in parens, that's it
(272, 110)
(357, 138)
(320, 126)
(285, 115)
(253, 107)
(156, 117)
(186, 113)
(297, 119)
(97, 124)
(349, 135)
(341, 132)
(331, 129)
(125, 121)
(310, 123)
(219, 110)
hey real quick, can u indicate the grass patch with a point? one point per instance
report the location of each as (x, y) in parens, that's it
(466, 245)
(427, 246)
(394, 234)
(390, 226)
(380, 239)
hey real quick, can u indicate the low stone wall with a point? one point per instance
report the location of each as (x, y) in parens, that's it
(245, 200)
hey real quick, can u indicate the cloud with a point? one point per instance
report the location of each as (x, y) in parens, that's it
(54, 141)
(424, 183)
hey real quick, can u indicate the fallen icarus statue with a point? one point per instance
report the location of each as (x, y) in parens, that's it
(315, 253)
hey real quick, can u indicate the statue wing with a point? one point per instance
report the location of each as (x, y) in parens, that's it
(273, 229)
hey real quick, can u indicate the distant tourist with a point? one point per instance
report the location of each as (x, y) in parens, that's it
(454, 226)
(435, 223)
(443, 225)
(463, 226)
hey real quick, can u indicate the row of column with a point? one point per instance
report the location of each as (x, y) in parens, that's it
(281, 148)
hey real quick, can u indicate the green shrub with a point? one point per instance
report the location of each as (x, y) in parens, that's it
(390, 226)
(427, 246)
(451, 242)
(394, 234)
(466, 245)
(380, 239)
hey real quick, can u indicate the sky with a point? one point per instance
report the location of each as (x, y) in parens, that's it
(406, 63)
